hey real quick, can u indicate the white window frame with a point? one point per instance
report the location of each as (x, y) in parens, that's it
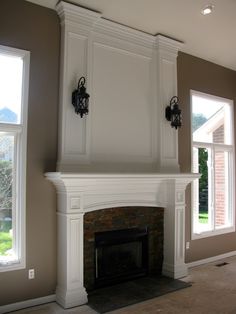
(19, 175)
(231, 151)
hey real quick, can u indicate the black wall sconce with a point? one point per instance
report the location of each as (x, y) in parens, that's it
(173, 113)
(80, 99)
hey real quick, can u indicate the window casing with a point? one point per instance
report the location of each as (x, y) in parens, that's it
(213, 208)
(13, 142)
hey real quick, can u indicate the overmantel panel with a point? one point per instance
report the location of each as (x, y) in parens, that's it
(131, 77)
(121, 128)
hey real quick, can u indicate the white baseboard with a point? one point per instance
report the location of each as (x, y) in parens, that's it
(210, 259)
(51, 298)
(28, 303)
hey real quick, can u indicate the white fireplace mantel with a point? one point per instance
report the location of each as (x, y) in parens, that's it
(131, 77)
(81, 193)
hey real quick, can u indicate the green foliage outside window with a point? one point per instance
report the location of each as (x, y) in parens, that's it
(5, 184)
(5, 206)
(198, 120)
(5, 242)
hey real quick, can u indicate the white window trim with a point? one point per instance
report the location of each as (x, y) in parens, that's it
(230, 148)
(21, 149)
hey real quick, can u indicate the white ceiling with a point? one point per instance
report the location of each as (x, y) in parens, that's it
(211, 37)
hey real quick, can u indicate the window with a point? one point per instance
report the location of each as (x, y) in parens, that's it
(14, 81)
(213, 158)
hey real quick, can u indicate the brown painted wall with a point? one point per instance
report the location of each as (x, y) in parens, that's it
(34, 28)
(203, 76)
(27, 26)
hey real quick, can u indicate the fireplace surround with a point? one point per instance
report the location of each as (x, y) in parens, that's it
(114, 158)
(117, 226)
(79, 194)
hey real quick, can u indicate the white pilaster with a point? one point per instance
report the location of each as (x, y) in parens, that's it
(76, 25)
(167, 52)
(174, 230)
(70, 289)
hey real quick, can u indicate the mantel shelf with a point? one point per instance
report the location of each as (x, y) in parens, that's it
(91, 176)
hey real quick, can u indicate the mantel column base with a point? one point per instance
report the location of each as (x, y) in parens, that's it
(71, 298)
(175, 271)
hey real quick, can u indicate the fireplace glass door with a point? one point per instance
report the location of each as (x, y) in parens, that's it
(120, 255)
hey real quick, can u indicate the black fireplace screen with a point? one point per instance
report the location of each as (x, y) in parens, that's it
(120, 255)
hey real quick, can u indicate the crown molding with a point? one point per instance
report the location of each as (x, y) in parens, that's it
(167, 44)
(123, 32)
(74, 14)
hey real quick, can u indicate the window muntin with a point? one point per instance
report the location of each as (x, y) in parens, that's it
(213, 157)
(14, 80)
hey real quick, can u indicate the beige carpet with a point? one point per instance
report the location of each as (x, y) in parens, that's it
(53, 308)
(213, 291)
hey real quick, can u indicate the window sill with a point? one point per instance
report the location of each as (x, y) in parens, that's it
(10, 265)
(213, 233)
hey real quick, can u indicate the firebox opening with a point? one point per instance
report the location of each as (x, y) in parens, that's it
(120, 255)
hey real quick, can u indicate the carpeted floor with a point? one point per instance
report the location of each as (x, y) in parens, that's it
(213, 291)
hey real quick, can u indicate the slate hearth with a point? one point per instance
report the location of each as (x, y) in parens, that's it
(112, 298)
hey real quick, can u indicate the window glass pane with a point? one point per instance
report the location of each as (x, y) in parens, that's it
(221, 188)
(10, 88)
(203, 185)
(210, 121)
(6, 193)
(201, 190)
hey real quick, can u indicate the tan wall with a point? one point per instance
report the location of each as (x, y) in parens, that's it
(203, 76)
(34, 28)
(27, 26)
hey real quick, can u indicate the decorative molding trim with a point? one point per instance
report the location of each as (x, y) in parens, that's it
(71, 13)
(125, 33)
(75, 14)
(166, 88)
(28, 303)
(78, 15)
(168, 44)
(210, 259)
(100, 191)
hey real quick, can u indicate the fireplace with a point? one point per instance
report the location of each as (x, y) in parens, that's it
(120, 255)
(90, 203)
(131, 238)
(103, 163)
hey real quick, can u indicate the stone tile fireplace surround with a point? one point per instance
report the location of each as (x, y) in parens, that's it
(123, 218)
(124, 153)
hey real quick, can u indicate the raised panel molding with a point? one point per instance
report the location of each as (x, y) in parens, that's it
(167, 88)
(144, 140)
(124, 77)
